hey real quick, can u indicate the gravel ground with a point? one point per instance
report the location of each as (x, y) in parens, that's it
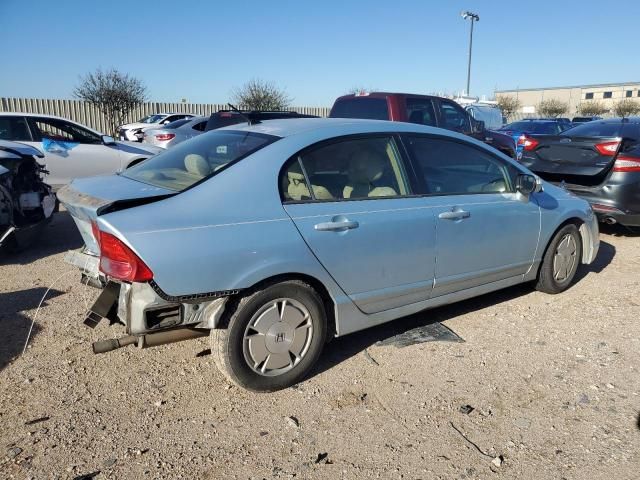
(551, 384)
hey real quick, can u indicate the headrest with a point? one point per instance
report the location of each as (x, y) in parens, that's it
(366, 166)
(197, 165)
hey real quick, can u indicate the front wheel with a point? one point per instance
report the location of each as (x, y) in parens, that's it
(273, 337)
(561, 260)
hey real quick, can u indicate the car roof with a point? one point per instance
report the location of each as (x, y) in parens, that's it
(384, 95)
(620, 120)
(345, 126)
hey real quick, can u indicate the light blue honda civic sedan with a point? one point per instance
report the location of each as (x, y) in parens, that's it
(274, 237)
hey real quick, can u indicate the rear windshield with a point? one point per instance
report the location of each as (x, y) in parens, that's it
(361, 107)
(177, 123)
(219, 120)
(189, 162)
(595, 129)
(546, 128)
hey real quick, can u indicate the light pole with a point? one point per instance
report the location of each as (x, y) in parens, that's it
(474, 18)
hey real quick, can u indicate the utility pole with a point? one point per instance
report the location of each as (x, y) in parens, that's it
(474, 17)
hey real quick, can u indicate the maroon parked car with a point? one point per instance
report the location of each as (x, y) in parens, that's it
(423, 109)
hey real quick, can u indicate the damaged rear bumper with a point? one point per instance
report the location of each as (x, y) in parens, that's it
(140, 306)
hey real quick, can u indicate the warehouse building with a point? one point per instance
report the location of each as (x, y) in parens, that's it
(606, 93)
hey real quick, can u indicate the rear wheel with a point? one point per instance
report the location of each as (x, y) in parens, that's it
(273, 337)
(561, 261)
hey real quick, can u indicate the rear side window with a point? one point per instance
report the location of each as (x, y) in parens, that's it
(200, 126)
(453, 168)
(421, 111)
(364, 168)
(60, 130)
(361, 107)
(595, 129)
(14, 128)
(189, 162)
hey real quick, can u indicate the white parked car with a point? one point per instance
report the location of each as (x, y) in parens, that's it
(133, 131)
(71, 150)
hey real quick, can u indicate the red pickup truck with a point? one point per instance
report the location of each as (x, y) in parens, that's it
(423, 109)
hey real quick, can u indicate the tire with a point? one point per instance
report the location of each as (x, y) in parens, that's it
(561, 260)
(261, 348)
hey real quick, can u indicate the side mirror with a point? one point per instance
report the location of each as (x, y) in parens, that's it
(526, 184)
(108, 140)
(477, 126)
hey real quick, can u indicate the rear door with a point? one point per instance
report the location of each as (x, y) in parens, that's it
(72, 151)
(351, 199)
(485, 231)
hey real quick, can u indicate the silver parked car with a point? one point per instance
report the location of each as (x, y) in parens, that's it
(133, 132)
(275, 237)
(176, 132)
(71, 150)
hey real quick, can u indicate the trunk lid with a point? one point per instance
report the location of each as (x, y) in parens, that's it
(571, 159)
(87, 198)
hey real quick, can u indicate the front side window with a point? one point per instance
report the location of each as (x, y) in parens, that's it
(356, 169)
(421, 111)
(454, 118)
(453, 168)
(190, 162)
(14, 128)
(59, 130)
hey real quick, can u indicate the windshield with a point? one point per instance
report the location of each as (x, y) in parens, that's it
(361, 107)
(189, 162)
(543, 128)
(151, 119)
(595, 129)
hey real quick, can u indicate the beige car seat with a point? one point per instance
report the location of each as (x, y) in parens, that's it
(366, 167)
(297, 188)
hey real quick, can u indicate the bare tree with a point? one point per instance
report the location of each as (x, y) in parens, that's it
(360, 89)
(509, 105)
(592, 108)
(258, 94)
(552, 107)
(113, 92)
(626, 108)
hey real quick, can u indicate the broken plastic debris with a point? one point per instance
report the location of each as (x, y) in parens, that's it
(427, 333)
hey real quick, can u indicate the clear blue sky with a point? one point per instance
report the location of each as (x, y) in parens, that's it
(201, 50)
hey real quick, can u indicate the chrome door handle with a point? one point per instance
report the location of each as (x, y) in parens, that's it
(454, 215)
(336, 226)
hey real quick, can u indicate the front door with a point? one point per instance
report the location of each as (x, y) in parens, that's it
(350, 200)
(485, 231)
(72, 151)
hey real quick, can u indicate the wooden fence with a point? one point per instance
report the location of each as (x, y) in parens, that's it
(87, 114)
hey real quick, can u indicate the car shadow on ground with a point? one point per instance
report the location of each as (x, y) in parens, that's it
(14, 324)
(618, 230)
(343, 348)
(60, 235)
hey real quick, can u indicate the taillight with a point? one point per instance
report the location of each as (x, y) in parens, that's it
(529, 143)
(607, 149)
(119, 261)
(521, 140)
(626, 164)
(164, 136)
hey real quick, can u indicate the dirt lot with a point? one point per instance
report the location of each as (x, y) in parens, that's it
(552, 380)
